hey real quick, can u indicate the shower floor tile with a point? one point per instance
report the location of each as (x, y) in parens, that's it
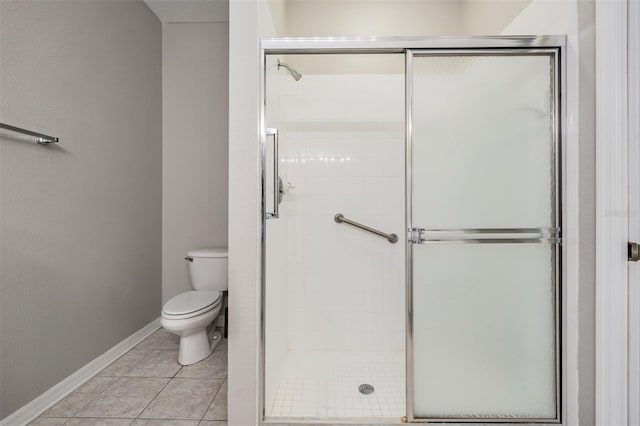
(321, 384)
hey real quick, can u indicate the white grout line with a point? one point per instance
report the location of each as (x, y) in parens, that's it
(325, 384)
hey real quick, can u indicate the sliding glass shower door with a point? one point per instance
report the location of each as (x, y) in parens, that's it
(334, 293)
(484, 219)
(453, 146)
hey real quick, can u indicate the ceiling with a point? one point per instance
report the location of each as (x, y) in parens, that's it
(169, 11)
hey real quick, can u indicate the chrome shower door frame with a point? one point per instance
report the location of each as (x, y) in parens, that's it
(555, 50)
(407, 46)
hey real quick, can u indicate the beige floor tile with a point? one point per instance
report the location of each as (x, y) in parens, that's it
(99, 422)
(124, 363)
(153, 340)
(69, 405)
(212, 367)
(95, 385)
(126, 398)
(155, 422)
(169, 341)
(183, 399)
(49, 421)
(139, 384)
(222, 346)
(218, 408)
(79, 398)
(159, 363)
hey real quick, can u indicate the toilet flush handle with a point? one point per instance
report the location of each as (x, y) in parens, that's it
(189, 258)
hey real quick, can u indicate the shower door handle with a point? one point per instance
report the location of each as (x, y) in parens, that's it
(276, 175)
(485, 235)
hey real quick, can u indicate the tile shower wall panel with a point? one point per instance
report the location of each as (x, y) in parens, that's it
(342, 151)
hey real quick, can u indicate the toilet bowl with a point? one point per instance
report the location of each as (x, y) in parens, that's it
(189, 316)
(192, 315)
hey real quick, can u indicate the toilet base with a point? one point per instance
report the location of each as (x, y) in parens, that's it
(195, 344)
(194, 347)
(215, 337)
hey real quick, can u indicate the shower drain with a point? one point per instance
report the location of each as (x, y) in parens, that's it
(366, 389)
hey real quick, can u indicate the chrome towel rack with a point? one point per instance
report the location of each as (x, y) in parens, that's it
(339, 218)
(277, 195)
(40, 137)
(485, 235)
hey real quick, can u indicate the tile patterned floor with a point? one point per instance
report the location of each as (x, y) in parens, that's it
(321, 384)
(147, 386)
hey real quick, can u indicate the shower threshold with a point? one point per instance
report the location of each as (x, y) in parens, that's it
(290, 421)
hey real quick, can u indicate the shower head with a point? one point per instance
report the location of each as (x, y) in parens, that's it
(295, 74)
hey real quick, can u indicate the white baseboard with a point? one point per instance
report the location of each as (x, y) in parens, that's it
(33, 409)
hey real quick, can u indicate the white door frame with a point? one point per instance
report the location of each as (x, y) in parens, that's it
(616, 148)
(634, 231)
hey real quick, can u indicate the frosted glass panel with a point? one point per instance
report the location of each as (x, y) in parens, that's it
(482, 141)
(484, 314)
(484, 330)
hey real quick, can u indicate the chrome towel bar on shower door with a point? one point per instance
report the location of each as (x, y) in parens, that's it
(40, 138)
(272, 132)
(485, 235)
(339, 218)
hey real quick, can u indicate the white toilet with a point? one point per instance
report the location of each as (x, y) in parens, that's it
(190, 314)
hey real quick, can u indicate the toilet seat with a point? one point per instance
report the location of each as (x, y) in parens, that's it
(191, 304)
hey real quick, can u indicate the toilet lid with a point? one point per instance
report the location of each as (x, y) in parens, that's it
(191, 301)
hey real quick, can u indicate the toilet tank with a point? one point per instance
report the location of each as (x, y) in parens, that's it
(208, 268)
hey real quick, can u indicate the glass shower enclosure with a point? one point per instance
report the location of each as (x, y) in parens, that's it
(412, 257)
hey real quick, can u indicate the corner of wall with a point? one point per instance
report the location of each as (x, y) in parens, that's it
(244, 229)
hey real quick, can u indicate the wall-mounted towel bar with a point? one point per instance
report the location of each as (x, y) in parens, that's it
(40, 138)
(339, 218)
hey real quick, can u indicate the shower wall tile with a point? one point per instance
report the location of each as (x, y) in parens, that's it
(342, 148)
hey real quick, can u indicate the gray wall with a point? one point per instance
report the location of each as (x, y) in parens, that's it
(587, 216)
(483, 17)
(80, 223)
(195, 65)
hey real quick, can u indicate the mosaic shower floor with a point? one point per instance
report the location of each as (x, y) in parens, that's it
(325, 384)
